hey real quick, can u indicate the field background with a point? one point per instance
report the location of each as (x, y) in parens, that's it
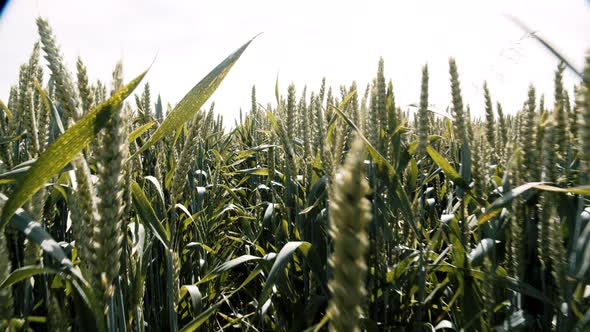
(329, 207)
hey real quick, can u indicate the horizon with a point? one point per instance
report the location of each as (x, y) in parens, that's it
(492, 48)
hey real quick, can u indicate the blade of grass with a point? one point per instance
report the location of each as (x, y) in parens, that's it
(280, 263)
(147, 215)
(139, 131)
(194, 99)
(6, 111)
(36, 233)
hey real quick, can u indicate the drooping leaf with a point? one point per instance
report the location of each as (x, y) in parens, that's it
(199, 320)
(195, 295)
(24, 273)
(477, 255)
(147, 215)
(6, 111)
(158, 187)
(445, 324)
(233, 263)
(506, 199)
(445, 166)
(200, 245)
(37, 234)
(14, 175)
(580, 190)
(82, 287)
(279, 265)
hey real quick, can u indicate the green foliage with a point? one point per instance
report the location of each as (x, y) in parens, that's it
(63, 150)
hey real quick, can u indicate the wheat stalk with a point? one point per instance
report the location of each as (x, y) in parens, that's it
(349, 215)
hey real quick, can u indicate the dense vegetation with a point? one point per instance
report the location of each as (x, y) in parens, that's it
(325, 210)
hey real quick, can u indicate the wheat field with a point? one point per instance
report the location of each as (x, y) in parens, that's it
(321, 210)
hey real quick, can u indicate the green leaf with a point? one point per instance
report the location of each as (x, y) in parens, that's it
(48, 104)
(580, 190)
(36, 233)
(195, 295)
(14, 175)
(400, 267)
(158, 187)
(477, 255)
(412, 147)
(21, 169)
(268, 213)
(445, 166)
(262, 171)
(147, 215)
(64, 149)
(6, 111)
(499, 203)
(503, 201)
(445, 324)
(139, 131)
(82, 287)
(200, 319)
(200, 245)
(253, 150)
(25, 272)
(194, 99)
(235, 262)
(279, 265)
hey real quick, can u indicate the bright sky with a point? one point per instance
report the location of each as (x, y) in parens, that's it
(306, 40)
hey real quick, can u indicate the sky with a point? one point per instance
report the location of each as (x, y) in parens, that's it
(306, 40)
